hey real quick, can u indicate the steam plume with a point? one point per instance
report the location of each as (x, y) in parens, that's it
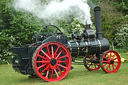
(56, 9)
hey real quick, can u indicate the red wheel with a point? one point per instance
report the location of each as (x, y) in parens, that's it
(51, 61)
(90, 65)
(110, 61)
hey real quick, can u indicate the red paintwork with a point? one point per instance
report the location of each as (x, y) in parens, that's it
(49, 72)
(91, 66)
(107, 57)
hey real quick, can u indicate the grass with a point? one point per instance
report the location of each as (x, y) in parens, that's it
(78, 76)
(124, 55)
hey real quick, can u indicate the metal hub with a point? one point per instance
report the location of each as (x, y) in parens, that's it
(112, 61)
(53, 61)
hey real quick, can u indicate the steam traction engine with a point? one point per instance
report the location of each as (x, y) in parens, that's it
(50, 57)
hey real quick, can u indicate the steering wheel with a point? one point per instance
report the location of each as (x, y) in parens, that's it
(49, 33)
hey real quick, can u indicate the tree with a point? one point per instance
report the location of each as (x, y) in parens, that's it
(17, 28)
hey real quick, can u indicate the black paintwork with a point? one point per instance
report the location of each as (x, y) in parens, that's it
(87, 43)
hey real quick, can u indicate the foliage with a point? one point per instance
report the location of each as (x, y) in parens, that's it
(111, 19)
(17, 28)
(108, 16)
(73, 27)
(5, 55)
(122, 36)
(70, 26)
(122, 5)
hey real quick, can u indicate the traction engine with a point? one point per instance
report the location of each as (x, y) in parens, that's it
(51, 56)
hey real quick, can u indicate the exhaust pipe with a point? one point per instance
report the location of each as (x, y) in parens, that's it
(97, 13)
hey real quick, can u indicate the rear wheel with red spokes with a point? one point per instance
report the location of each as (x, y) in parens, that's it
(51, 61)
(110, 61)
(91, 66)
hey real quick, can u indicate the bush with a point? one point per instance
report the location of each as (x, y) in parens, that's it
(5, 55)
(17, 28)
(122, 37)
(111, 18)
(71, 27)
(122, 5)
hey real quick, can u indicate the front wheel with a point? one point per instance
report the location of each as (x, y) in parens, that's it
(110, 61)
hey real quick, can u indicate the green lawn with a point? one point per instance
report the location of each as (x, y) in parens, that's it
(78, 76)
(124, 55)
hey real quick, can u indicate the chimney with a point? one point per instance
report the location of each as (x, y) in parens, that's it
(97, 13)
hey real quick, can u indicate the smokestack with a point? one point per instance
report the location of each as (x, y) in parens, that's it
(97, 12)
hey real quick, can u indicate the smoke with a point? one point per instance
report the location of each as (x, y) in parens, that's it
(91, 4)
(56, 9)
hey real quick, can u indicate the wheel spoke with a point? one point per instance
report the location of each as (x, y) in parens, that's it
(52, 51)
(59, 54)
(45, 69)
(57, 50)
(41, 66)
(62, 57)
(56, 73)
(108, 67)
(87, 59)
(113, 66)
(48, 49)
(106, 61)
(47, 73)
(48, 30)
(114, 56)
(87, 63)
(55, 32)
(90, 65)
(116, 62)
(109, 56)
(106, 58)
(42, 57)
(95, 66)
(61, 66)
(45, 54)
(59, 70)
(51, 73)
(42, 61)
(105, 64)
(61, 61)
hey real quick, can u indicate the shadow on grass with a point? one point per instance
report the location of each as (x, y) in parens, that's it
(31, 80)
(72, 74)
(77, 72)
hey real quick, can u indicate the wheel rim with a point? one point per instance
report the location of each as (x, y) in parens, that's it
(36, 36)
(52, 61)
(89, 65)
(110, 61)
